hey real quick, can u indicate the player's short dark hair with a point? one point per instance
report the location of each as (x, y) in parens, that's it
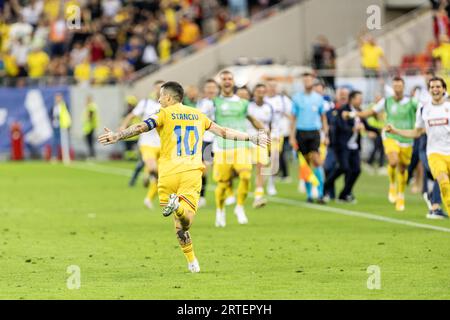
(211, 80)
(175, 89)
(307, 73)
(437, 79)
(353, 94)
(259, 85)
(246, 89)
(398, 79)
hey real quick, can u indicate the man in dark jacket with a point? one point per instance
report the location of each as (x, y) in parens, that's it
(346, 146)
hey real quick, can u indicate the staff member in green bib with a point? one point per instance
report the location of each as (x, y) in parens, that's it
(90, 122)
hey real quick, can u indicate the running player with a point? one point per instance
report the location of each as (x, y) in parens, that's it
(282, 107)
(231, 156)
(400, 112)
(264, 113)
(181, 129)
(149, 143)
(433, 118)
(206, 106)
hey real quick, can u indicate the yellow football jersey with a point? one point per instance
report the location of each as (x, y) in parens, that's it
(181, 130)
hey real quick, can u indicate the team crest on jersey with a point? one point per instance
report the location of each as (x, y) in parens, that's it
(438, 122)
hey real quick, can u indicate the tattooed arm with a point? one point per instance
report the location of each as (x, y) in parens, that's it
(110, 137)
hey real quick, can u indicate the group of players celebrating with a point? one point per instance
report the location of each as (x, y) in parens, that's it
(241, 133)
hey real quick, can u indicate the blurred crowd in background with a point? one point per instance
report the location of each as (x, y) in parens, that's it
(105, 41)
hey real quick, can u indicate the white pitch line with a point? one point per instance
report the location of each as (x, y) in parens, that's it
(127, 172)
(358, 214)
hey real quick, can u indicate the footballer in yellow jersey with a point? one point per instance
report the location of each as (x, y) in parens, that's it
(180, 165)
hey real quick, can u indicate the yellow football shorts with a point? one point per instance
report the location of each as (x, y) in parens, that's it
(149, 153)
(186, 185)
(439, 164)
(260, 155)
(393, 146)
(233, 160)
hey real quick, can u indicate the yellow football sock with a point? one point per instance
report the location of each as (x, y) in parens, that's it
(445, 192)
(242, 191)
(152, 189)
(402, 179)
(185, 241)
(188, 251)
(220, 194)
(391, 174)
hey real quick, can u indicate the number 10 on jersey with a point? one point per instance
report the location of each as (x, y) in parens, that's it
(184, 136)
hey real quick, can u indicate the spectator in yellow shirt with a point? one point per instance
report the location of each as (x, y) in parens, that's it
(189, 32)
(11, 68)
(442, 53)
(4, 34)
(101, 73)
(371, 54)
(37, 63)
(164, 48)
(82, 72)
(51, 8)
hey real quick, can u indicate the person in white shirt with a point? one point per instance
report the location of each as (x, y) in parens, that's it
(430, 188)
(32, 11)
(434, 120)
(264, 113)
(206, 106)
(282, 107)
(149, 142)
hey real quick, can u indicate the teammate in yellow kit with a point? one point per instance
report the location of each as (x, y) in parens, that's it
(181, 130)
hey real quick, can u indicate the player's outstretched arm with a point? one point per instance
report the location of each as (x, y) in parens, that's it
(110, 137)
(413, 133)
(261, 138)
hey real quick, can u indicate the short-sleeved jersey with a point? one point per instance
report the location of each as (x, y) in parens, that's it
(181, 130)
(370, 56)
(231, 112)
(206, 106)
(282, 108)
(308, 109)
(263, 113)
(401, 114)
(144, 109)
(435, 119)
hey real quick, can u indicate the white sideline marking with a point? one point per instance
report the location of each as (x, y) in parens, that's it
(127, 172)
(358, 214)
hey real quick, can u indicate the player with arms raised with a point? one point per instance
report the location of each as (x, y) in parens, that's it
(181, 130)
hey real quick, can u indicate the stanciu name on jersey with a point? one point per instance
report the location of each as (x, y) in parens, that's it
(184, 116)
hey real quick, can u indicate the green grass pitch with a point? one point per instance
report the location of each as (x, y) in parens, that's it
(52, 217)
